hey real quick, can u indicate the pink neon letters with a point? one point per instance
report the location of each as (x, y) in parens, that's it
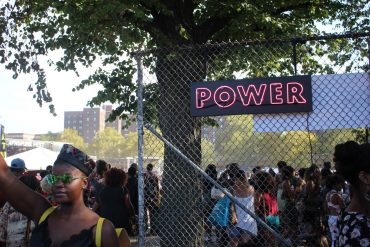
(202, 95)
(251, 95)
(276, 93)
(294, 93)
(224, 96)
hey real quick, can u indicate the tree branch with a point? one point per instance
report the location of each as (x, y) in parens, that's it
(295, 7)
(211, 26)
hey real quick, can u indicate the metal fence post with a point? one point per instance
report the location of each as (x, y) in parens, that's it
(140, 131)
(294, 44)
(367, 138)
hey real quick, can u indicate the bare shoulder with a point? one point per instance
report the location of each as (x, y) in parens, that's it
(109, 236)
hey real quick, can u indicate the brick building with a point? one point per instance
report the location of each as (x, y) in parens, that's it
(90, 121)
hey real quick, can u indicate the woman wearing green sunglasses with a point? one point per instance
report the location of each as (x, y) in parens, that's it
(70, 224)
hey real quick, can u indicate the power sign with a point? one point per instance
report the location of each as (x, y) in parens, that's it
(252, 96)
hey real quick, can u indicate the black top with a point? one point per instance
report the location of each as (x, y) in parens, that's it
(132, 186)
(98, 186)
(112, 206)
(40, 237)
(353, 229)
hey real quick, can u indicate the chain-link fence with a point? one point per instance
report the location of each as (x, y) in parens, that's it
(182, 207)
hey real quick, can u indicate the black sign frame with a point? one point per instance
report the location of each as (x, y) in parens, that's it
(271, 95)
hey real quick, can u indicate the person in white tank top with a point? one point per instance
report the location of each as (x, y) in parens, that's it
(246, 227)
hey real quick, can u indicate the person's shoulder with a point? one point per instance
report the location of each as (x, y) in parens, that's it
(107, 226)
(108, 234)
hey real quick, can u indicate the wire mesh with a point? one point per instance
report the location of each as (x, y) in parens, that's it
(272, 164)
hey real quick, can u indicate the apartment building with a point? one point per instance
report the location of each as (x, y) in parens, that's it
(90, 121)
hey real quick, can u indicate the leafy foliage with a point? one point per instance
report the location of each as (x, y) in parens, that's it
(107, 143)
(72, 136)
(87, 31)
(50, 136)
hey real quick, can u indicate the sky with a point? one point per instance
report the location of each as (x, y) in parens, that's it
(19, 111)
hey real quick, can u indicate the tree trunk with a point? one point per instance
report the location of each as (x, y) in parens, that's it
(180, 212)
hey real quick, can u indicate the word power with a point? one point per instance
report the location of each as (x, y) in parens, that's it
(251, 96)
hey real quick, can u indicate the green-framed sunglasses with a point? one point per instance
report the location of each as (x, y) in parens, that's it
(65, 179)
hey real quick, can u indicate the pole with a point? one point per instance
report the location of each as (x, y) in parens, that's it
(294, 43)
(140, 131)
(367, 138)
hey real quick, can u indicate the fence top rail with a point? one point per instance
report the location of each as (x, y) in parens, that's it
(293, 41)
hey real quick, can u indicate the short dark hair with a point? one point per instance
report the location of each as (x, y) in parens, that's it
(101, 167)
(114, 177)
(256, 169)
(133, 165)
(150, 167)
(281, 164)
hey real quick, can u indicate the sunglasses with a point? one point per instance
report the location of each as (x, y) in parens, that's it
(65, 179)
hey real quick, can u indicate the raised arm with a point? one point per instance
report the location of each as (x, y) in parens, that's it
(22, 198)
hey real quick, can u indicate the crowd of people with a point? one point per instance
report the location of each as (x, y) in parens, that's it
(314, 206)
(79, 202)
